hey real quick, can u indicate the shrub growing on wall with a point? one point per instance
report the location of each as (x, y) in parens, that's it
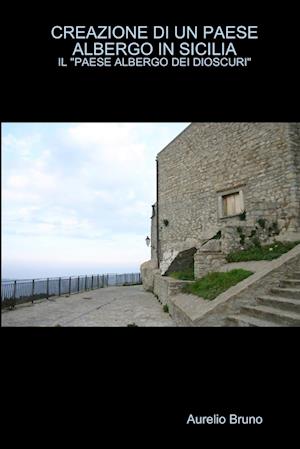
(262, 233)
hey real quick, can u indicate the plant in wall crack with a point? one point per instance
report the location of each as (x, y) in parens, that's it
(165, 222)
(261, 234)
(275, 228)
(242, 215)
(256, 242)
(262, 222)
(241, 234)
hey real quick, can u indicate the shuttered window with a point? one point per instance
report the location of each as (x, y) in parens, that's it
(232, 204)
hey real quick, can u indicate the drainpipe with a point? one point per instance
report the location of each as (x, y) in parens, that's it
(157, 217)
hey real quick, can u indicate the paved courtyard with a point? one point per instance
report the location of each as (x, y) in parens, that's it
(112, 306)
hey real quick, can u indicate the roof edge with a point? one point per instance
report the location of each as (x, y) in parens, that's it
(176, 137)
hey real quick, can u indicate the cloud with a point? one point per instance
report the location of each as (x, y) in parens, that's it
(91, 184)
(24, 147)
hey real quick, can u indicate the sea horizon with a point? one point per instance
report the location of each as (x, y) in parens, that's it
(53, 275)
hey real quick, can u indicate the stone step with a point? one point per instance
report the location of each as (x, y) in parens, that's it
(280, 303)
(290, 283)
(286, 292)
(295, 274)
(282, 317)
(249, 321)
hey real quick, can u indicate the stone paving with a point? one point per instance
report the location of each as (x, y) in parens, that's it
(112, 306)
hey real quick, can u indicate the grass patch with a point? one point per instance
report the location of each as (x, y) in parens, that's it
(186, 275)
(213, 284)
(267, 252)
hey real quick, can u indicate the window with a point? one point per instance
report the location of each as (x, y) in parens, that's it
(232, 204)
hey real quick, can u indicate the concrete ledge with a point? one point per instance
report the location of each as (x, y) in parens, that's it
(166, 287)
(194, 311)
(288, 236)
(182, 308)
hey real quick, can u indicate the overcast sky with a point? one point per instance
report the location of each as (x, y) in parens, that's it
(76, 197)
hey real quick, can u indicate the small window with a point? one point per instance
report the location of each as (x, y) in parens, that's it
(232, 204)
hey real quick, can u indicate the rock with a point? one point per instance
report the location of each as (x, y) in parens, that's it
(147, 271)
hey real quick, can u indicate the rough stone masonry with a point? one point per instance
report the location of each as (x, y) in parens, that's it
(216, 176)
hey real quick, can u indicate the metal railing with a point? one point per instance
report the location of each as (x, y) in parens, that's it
(23, 290)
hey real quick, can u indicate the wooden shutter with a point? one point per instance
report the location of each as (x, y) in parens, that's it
(232, 204)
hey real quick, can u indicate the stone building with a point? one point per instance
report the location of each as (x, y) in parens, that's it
(220, 186)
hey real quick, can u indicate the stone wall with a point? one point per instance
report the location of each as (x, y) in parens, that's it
(166, 287)
(260, 159)
(243, 236)
(294, 144)
(209, 258)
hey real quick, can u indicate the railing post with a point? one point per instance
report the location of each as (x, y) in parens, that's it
(69, 285)
(32, 299)
(98, 281)
(85, 284)
(15, 290)
(14, 294)
(78, 283)
(59, 286)
(47, 288)
(92, 281)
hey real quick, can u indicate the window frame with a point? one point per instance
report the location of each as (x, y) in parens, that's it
(225, 193)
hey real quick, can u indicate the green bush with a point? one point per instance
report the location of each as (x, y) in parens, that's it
(185, 275)
(213, 284)
(166, 308)
(266, 252)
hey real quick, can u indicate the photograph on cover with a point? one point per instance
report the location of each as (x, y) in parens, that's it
(151, 224)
